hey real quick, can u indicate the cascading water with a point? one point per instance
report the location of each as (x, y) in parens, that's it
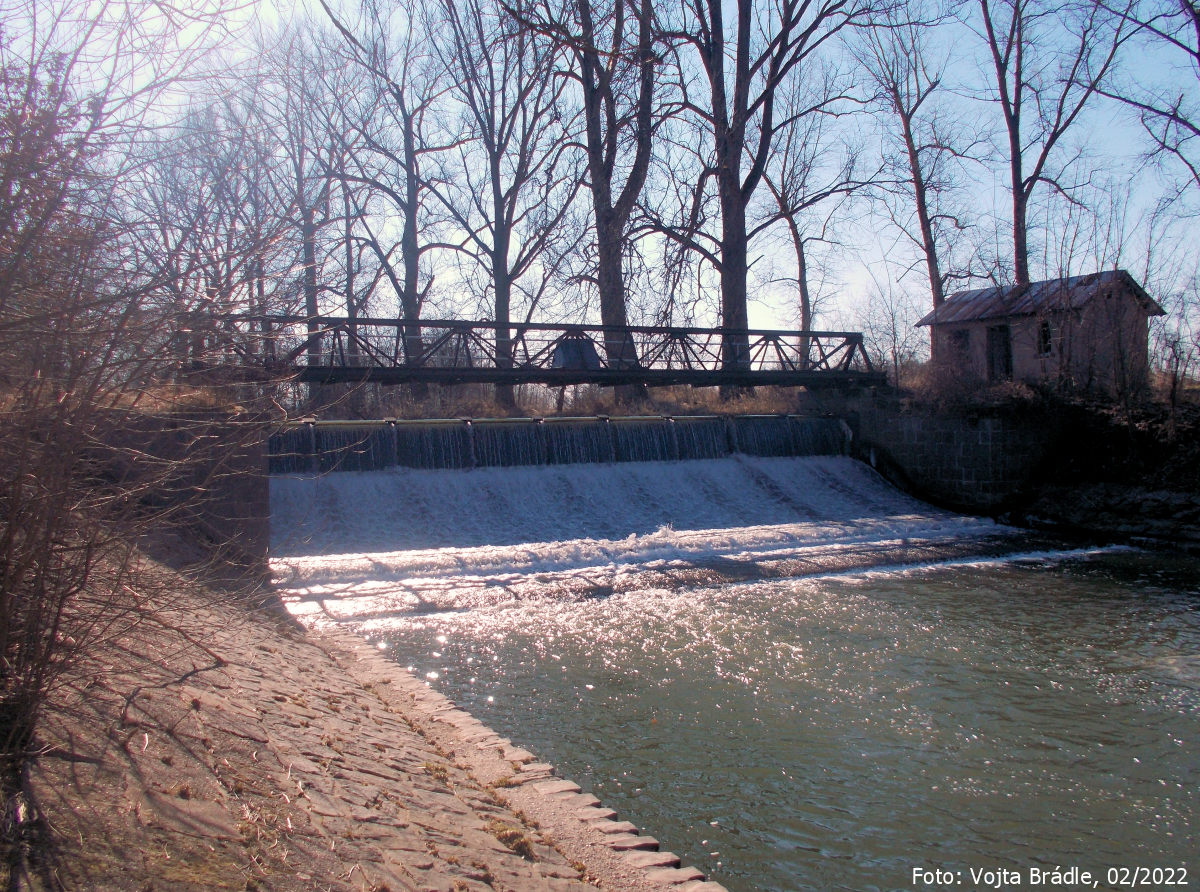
(577, 441)
(789, 672)
(780, 435)
(290, 451)
(709, 438)
(502, 443)
(442, 445)
(636, 439)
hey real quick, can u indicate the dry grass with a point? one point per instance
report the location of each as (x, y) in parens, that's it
(685, 400)
(513, 838)
(166, 398)
(365, 402)
(946, 386)
(1187, 392)
(438, 772)
(188, 398)
(120, 745)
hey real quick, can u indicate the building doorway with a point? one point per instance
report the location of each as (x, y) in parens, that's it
(999, 354)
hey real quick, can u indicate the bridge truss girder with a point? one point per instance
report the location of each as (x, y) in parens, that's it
(341, 349)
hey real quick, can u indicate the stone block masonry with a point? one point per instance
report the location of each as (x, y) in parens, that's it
(975, 461)
(206, 745)
(582, 829)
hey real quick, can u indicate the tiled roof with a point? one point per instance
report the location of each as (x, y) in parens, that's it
(1053, 295)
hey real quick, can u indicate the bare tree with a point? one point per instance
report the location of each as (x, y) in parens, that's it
(80, 323)
(1169, 111)
(888, 322)
(512, 180)
(309, 151)
(813, 172)
(1169, 269)
(746, 63)
(1049, 61)
(306, 98)
(212, 228)
(615, 64)
(387, 148)
(909, 77)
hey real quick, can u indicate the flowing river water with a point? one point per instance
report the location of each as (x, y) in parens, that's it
(789, 673)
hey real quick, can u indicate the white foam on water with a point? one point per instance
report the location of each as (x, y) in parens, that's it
(362, 544)
(1040, 556)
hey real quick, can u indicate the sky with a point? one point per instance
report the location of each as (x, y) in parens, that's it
(872, 259)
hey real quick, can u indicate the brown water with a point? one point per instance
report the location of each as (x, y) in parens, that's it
(840, 732)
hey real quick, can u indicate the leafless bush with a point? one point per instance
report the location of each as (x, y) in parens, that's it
(81, 480)
(82, 359)
(943, 384)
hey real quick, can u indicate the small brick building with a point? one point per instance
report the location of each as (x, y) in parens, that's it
(1090, 331)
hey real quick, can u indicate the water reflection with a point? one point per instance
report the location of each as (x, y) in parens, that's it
(834, 733)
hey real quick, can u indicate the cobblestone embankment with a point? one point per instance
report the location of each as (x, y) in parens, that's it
(202, 747)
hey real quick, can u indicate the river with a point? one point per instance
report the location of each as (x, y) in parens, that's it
(789, 673)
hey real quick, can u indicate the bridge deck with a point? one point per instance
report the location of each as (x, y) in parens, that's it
(340, 349)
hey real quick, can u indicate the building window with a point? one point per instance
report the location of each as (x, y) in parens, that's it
(960, 342)
(1045, 339)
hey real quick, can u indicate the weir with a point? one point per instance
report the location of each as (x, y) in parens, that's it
(317, 447)
(616, 615)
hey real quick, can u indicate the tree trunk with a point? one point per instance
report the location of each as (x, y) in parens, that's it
(355, 357)
(308, 238)
(504, 346)
(260, 307)
(604, 125)
(932, 266)
(735, 346)
(410, 295)
(1020, 234)
(806, 317)
(619, 348)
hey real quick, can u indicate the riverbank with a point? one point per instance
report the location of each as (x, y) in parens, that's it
(203, 745)
(1066, 467)
(1128, 475)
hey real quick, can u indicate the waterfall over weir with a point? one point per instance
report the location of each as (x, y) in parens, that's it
(367, 545)
(448, 514)
(319, 447)
(856, 655)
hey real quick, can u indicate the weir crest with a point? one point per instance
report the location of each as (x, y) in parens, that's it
(310, 447)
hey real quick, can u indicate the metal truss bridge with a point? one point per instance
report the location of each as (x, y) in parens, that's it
(339, 349)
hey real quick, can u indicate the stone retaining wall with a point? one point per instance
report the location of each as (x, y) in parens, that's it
(977, 461)
(235, 508)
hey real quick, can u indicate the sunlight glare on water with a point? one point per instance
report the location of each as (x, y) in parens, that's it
(791, 674)
(834, 733)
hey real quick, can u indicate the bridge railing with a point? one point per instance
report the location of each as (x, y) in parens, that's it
(453, 351)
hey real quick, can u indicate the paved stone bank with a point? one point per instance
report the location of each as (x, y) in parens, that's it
(205, 748)
(580, 826)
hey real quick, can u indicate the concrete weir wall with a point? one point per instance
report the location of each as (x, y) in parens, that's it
(971, 460)
(977, 460)
(322, 446)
